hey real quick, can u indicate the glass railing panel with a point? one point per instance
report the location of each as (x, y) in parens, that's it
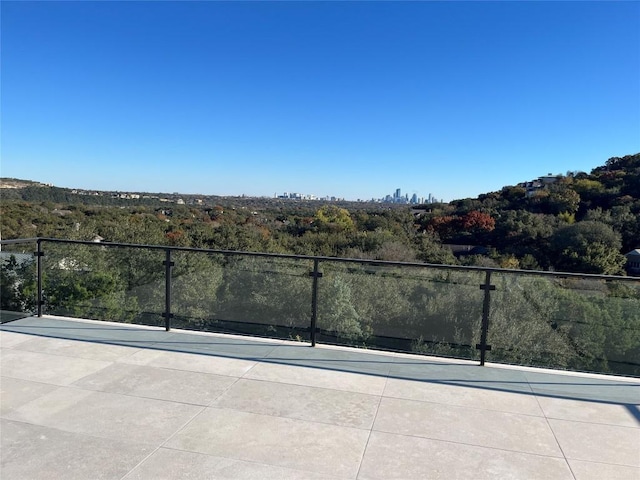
(243, 294)
(18, 281)
(584, 324)
(621, 322)
(196, 281)
(413, 309)
(119, 284)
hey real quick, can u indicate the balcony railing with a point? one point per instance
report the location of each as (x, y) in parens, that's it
(557, 320)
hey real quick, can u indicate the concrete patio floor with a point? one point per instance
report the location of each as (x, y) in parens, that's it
(89, 400)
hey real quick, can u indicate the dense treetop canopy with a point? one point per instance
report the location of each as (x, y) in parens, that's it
(581, 222)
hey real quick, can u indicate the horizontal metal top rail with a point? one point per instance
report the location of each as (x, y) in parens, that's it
(18, 240)
(382, 263)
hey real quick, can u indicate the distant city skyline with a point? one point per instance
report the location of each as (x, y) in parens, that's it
(396, 197)
(347, 98)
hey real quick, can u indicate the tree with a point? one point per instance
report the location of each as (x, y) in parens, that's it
(337, 314)
(587, 188)
(17, 285)
(476, 222)
(587, 247)
(562, 199)
(430, 250)
(333, 218)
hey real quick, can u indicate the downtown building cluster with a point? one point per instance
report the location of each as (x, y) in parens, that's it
(397, 197)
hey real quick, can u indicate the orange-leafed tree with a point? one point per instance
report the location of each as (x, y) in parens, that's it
(476, 221)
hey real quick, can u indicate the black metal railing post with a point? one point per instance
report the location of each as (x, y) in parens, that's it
(316, 274)
(168, 265)
(39, 254)
(487, 287)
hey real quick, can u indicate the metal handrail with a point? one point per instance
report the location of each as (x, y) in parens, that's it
(329, 259)
(315, 273)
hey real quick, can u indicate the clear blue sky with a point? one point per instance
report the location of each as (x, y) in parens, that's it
(352, 99)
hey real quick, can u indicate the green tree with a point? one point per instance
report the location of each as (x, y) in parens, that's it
(430, 250)
(17, 285)
(333, 218)
(89, 281)
(561, 199)
(264, 296)
(337, 313)
(587, 247)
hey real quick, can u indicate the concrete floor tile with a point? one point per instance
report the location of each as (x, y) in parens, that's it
(84, 406)
(390, 457)
(284, 442)
(336, 407)
(10, 339)
(35, 452)
(223, 346)
(601, 471)
(168, 464)
(584, 387)
(478, 397)
(317, 377)
(591, 412)
(322, 356)
(598, 443)
(15, 392)
(160, 383)
(75, 348)
(106, 415)
(192, 362)
(461, 375)
(467, 425)
(59, 370)
(106, 332)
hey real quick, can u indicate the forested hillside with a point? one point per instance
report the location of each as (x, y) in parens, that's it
(576, 222)
(579, 222)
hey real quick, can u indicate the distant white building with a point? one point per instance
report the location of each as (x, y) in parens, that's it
(539, 183)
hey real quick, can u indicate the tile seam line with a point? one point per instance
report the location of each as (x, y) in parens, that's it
(546, 420)
(375, 417)
(223, 392)
(176, 449)
(316, 422)
(181, 428)
(140, 463)
(559, 457)
(128, 395)
(308, 386)
(464, 406)
(255, 364)
(637, 467)
(56, 354)
(83, 434)
(37, 381)
(594, 423)
(471, 407)
(85, 340)
(161, 445)
(31, 381)
(180, 369)
(88, 390)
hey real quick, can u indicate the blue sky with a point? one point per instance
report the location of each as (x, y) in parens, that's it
(351, 99)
